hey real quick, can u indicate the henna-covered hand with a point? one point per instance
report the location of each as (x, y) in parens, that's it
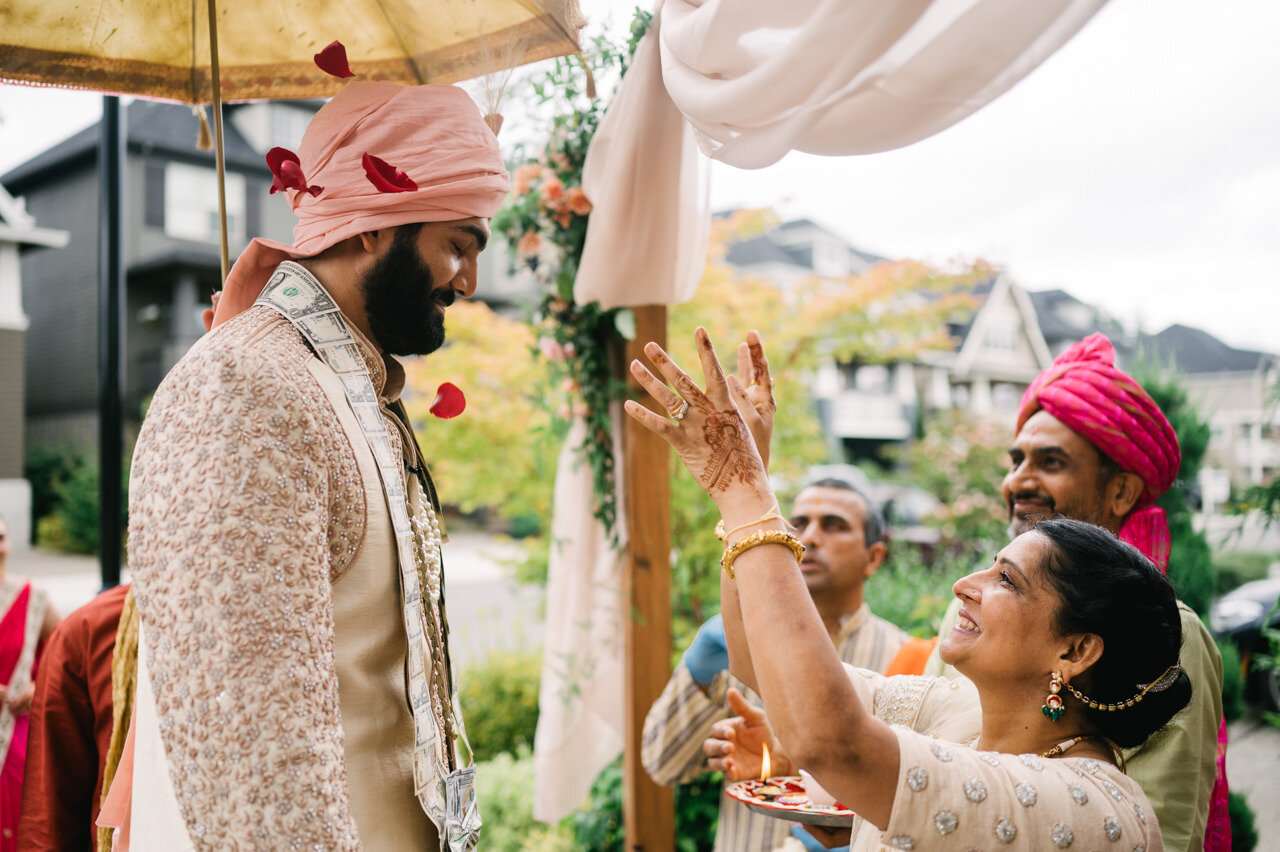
(712, 438)
(752, 390)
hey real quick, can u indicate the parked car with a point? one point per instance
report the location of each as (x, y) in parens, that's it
(1239, 617)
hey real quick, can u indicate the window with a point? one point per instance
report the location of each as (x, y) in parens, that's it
(191, 203)
(287, 126)
(1002, 337)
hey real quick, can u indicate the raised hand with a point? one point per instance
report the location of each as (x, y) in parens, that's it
(752, 392)
(706, 430)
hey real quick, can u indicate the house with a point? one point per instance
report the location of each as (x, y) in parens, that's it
(1236, 390)
(866, 408)
(171, 253)
(19, 236)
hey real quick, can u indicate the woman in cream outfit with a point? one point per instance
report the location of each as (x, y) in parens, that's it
(1070, 639)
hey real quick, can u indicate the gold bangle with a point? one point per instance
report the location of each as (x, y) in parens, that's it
(733, 551)
(775, 515)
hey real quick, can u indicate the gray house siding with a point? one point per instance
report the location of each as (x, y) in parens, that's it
(11, 382)
(60, 296)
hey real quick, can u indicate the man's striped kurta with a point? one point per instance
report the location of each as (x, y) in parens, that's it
(681, 719)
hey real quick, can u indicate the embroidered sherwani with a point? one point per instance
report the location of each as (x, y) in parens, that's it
(273, 702)
(681, 720)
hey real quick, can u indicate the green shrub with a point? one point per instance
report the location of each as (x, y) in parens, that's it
(1237, 567)
(600, 827)
(500, 702)
(910, 594)
(505, 787)
(46, 469)
(1232, 681)
(1244, 835)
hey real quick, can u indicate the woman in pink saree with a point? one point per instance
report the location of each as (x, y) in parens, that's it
(26, 620)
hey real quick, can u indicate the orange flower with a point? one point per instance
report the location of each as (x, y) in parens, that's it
(577, 201)
(563, 219)
(530, 244)
(552, 188)
(524, 178)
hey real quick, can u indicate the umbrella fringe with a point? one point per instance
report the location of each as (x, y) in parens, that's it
(204, 140)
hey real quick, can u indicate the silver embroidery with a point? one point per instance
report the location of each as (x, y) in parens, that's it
(902, 841)
(1088, 764)
(1025, 794)
(1111, 826)
(1031, 762)
(945, 822)
(917, 779)
(1112, 790)
(988, 758)
(974, 790)
(1005, 831)
(1142, 814)
(1061, 836)
(940, 751)
(1078, 793)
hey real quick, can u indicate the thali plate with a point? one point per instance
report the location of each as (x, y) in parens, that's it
(826, 816)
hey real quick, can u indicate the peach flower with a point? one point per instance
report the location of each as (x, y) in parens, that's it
(552, 188)
(530, 244)
(576, 200)
(524, 177)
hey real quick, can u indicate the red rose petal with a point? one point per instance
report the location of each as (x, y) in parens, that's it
(386, 177)
(450, 401)
(286, 172)
(333, 60)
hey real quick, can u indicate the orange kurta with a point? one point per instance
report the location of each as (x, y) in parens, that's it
(70, 729)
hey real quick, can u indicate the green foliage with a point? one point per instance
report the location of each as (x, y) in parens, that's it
(960, 461)
(499, 701)
(1269, 663)
(1234, 568)
(599, 826)
(1232, 681)
(1244, 834)
(1190, 560)
(47, 469)
(64, 488)
(913, 595)
(504, 786)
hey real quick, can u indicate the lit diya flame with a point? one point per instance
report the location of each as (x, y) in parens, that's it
(768, 791)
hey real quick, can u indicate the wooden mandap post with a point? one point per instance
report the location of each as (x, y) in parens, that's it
(649, 808)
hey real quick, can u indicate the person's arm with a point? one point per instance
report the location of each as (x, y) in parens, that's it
(810, 702)
(1176, 766)
(230, 511)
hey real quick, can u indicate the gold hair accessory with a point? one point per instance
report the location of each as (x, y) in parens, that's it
(733, 551)
(775, 515)
(1160, 684)
(677, 414)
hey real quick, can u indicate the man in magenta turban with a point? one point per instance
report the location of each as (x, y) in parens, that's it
(294, 687)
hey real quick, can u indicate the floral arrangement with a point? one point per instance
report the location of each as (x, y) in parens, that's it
(545, 220)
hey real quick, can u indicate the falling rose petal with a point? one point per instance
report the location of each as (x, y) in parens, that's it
(333, 60)
(386, 177)
(450, 401)
(286, 172)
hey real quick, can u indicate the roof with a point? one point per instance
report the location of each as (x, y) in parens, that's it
(1195, 351)
(764, 249)
(19, 226)
(1064, 318)
(152, 127)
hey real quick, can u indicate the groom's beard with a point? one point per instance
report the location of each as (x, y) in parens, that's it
(405, 309)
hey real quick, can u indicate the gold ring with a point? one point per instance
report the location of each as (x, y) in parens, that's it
(678, 414)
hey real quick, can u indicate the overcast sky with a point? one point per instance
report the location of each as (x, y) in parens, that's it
(1138, 168)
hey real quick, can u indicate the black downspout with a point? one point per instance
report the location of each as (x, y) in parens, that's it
(111, 150)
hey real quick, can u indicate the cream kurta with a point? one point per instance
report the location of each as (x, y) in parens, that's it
(267, 582)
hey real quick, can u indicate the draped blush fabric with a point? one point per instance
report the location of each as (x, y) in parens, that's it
(580, 701)
(750, 80)
(647, 234)
(757, 78)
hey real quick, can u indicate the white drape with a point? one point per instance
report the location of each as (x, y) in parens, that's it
(755, 79)
(580, 700)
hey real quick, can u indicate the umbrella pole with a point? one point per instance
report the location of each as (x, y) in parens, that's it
(111, 152)
(218, 154)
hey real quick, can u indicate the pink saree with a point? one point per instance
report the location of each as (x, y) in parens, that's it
(19, 637)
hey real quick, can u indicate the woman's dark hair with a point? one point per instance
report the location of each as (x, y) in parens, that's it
(1110, 589)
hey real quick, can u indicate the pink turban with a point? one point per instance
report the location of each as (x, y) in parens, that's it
(432, 133)
(1084, 390)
